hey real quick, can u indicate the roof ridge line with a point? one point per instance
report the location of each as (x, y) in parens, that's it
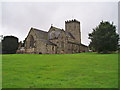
(38, 30)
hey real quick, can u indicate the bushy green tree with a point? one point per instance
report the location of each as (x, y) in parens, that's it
(9, 45)
(104, 38)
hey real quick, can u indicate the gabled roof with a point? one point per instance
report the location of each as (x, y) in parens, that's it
(52, 28)
(38, 30)
(40, 33)
(55, 31)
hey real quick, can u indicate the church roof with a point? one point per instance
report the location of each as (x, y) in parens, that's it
(38, 30)
(52, 28)
(40, 33)
(57, 32)
(54, 31)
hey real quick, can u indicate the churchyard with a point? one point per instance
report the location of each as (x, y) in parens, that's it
(83, 70)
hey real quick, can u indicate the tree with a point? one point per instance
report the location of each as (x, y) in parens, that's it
(9, 45)
(104, 38)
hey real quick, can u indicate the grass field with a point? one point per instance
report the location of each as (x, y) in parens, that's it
(84, 70)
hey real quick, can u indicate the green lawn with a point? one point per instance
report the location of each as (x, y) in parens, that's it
(84, 70)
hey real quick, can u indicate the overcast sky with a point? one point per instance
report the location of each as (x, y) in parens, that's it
(19, 17)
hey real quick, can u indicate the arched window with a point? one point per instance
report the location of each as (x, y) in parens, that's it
(32, 42)
(52, 35)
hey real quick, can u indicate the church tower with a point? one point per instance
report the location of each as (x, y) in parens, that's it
(73, 26)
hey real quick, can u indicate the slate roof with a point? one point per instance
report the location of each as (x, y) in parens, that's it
(57, 32)
(55, 29)
(40, 33)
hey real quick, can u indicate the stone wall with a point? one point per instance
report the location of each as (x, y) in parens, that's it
(83, 48)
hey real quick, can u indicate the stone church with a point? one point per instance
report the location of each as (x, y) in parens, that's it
(56, 40)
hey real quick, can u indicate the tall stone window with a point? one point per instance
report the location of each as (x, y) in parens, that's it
(32, 42)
